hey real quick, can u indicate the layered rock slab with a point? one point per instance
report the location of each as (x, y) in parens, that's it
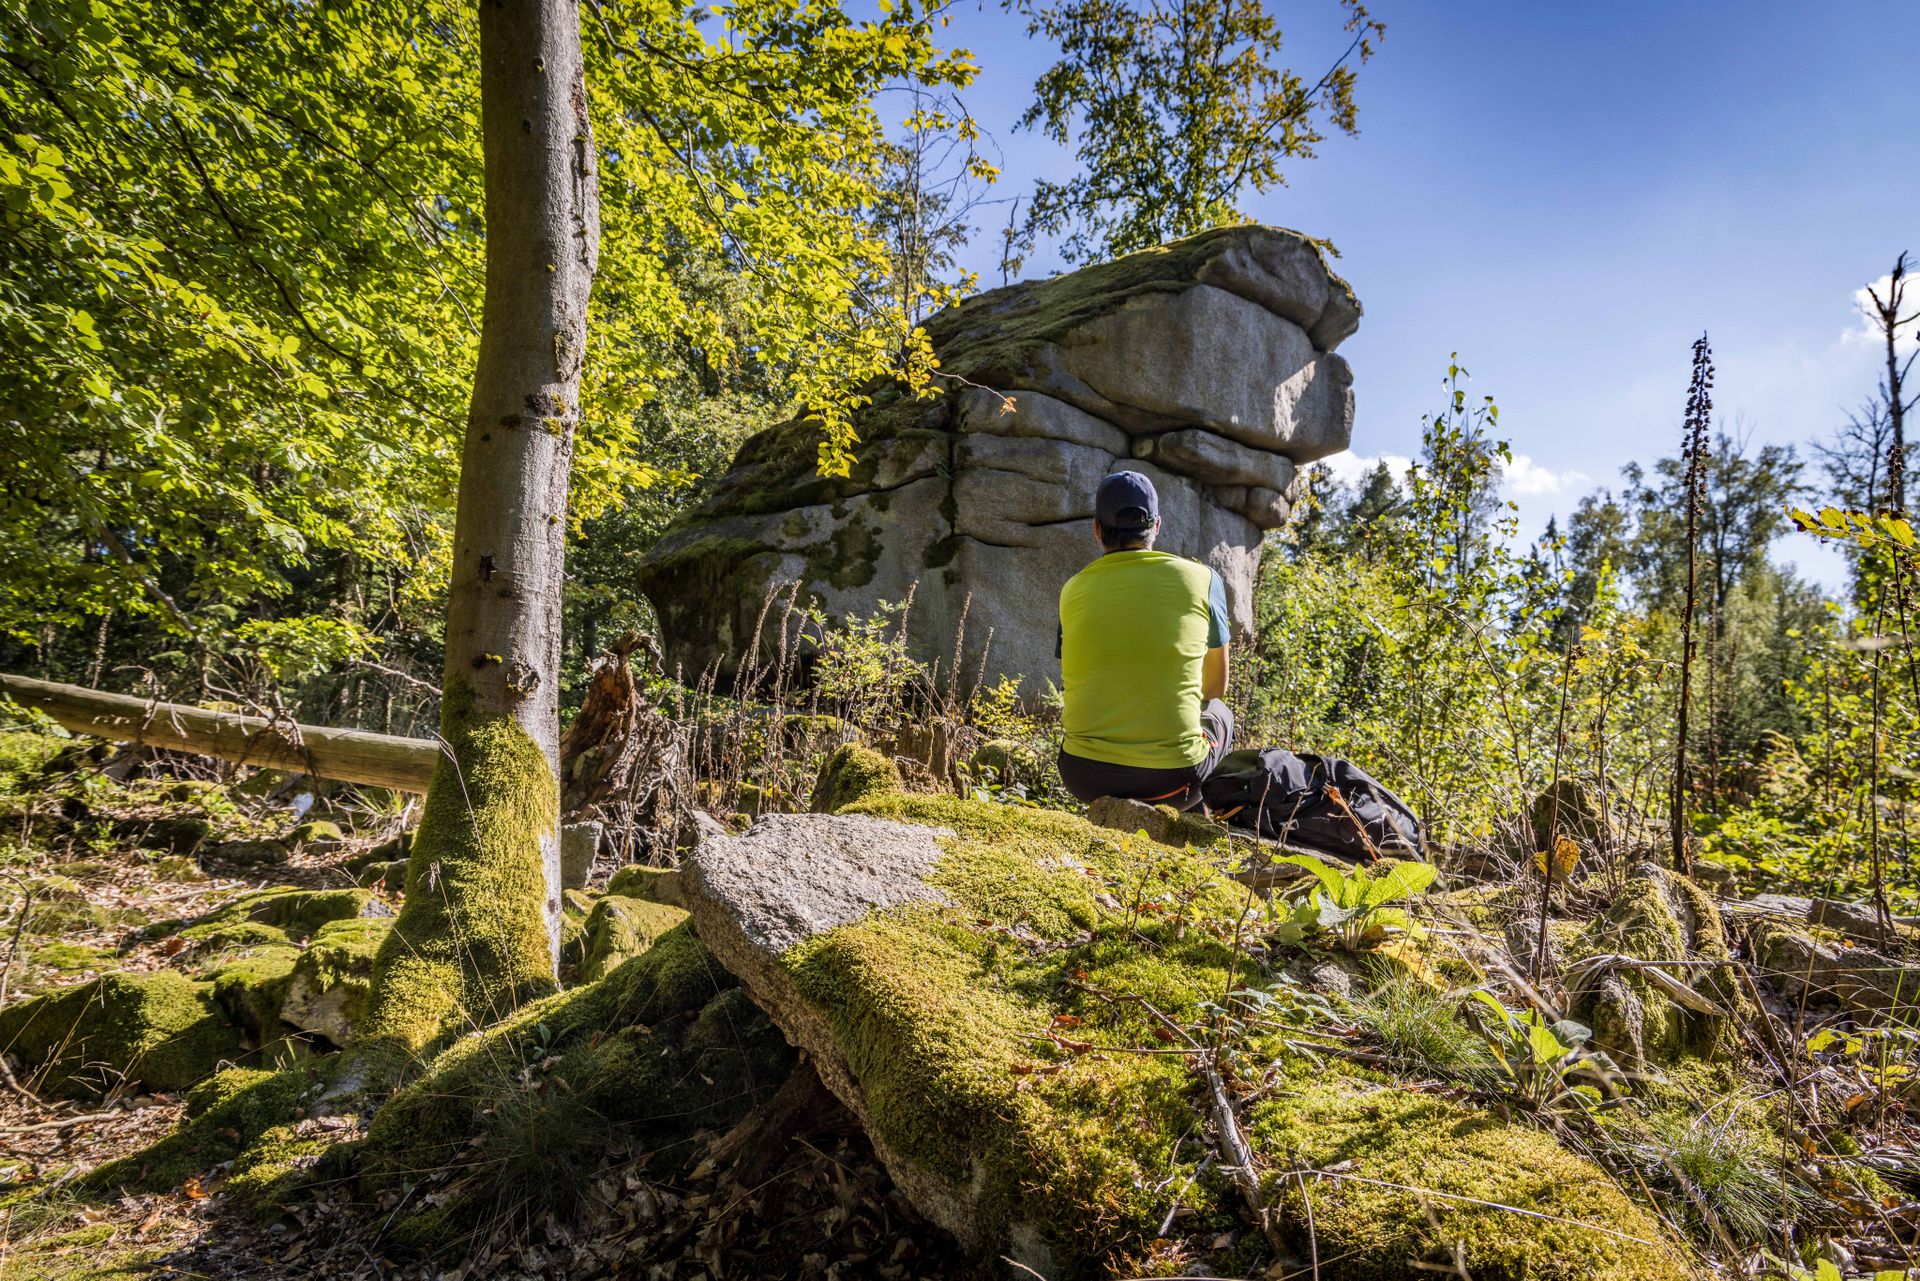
(1207, 364)
(940, 961)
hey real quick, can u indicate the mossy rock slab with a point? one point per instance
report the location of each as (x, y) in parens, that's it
(331, 984)
(163, 1030)
(619, 929)
(648, 884)
(975, 983)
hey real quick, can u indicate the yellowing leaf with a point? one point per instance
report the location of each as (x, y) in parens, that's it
(1566, 857)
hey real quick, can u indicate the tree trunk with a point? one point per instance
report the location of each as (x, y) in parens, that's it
(479, 934)
(349, 755)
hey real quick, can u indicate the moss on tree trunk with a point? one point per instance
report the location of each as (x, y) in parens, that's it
(472, 942)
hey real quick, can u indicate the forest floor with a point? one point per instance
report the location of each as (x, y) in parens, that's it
(828, 1208)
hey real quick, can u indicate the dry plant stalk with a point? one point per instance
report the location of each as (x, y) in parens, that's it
(1694, 451)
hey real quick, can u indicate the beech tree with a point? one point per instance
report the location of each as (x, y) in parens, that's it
(479, 932)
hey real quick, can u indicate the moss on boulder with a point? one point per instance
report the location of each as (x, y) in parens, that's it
(295, 914)
(330, 986)
(1420, 1185)
(648, 884)
(163, 1030)
(852, 773)
(1664, 917)
(931, 963)
(619, 929)
(251, 990)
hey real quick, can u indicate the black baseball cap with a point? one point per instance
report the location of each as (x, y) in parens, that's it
(1126, 503)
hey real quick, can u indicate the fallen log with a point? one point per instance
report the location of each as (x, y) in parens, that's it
(348, 755)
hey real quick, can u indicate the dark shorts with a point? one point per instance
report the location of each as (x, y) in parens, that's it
(1089, 780)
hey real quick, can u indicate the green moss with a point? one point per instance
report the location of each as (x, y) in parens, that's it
(664, 1046)
(162, 1029)
(649, 884)
(318, 829)
(852, 773)
(943, 1013)
(226, 1114)
(295, 913)
(330, 988)
(70, 958)
(471, 944)
(252, 989)
(810, 731)
(393, 849)
(619, 929)
(936, 1008)
(1443, 1160)
(228, 937)
(1657, 916)
(847, 559)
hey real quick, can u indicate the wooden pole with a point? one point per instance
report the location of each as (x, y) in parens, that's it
(349, 755)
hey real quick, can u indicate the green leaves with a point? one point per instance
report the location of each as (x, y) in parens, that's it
(1352, 903)
(1174, 108)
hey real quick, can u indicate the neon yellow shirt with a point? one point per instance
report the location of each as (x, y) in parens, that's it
(1135, 628)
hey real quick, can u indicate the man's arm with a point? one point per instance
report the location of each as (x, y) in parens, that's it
(1213, 673)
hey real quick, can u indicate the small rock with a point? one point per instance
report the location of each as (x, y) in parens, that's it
(386, 877)
(332, 983)
(653, 884)
(579, 845)
(249, 854)
(318, 832)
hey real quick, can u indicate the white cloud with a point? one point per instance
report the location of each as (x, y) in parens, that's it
(1866, 330)
(1522, 478)
(1525, 478)
(1350, 468)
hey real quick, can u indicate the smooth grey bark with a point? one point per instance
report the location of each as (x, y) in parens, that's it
(543, 240)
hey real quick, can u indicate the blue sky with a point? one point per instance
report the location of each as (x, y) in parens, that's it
(1567, 195)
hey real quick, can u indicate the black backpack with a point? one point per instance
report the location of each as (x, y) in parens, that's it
(1282, 795)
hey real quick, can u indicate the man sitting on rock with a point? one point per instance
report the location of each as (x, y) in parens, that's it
(1143, 659)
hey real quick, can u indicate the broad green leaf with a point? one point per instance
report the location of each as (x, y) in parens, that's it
(1401, 881)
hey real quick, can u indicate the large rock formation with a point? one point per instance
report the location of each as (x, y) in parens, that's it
(1207, 364)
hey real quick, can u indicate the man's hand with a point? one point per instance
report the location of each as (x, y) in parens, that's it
(1213, 674)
